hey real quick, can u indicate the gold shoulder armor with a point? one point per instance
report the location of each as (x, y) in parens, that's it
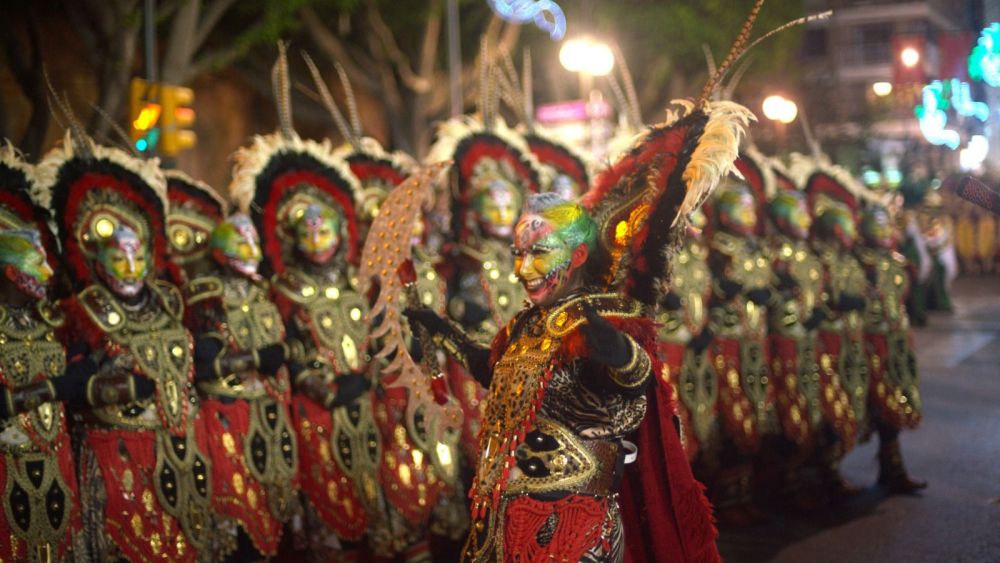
(102, 308)
(170, 297)
(202, 288)
(565, 318)
(296, 286)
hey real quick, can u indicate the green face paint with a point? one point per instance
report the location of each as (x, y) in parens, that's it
(24, 262)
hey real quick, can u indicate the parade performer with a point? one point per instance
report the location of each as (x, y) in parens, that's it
(569, 377)
(420, 483)
(812, 406)
(741, 279)
(239, 371)
(840, 343)
(195, 210)
(41, 507)
(893, 397)
(145, 478)
(493, 170)
(684, 337)
(937, 230)
(303, 203)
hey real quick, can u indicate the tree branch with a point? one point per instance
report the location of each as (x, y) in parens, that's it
(411, 80)
(180, 43)
(335, 50)
(212, 14)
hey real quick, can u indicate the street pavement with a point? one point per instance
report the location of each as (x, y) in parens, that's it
(956, 449)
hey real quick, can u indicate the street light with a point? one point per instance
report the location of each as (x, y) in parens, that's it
(586, 55)
(778, 108)
(910, 57)
(882, 89)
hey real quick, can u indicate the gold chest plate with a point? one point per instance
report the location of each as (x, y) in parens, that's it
(691, 280)
(503, 289)
(253, 320)
(28, 347)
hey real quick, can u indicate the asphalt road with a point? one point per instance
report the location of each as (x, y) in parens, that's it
(956, 449)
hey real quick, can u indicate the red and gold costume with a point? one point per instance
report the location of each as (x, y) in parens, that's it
(244, 410)
(812, 406)
(840, 343)
(893, 396)
(492, 173)
(569, 377)
(145, 478)
(41, 509)
(741, 280)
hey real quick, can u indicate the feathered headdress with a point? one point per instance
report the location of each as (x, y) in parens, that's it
(376, 170)
(17, 209)
(279, 175)
(92, 189)
(558, 160)
(195, 210)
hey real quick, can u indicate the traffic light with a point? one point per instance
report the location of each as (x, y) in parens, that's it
(177, 119)
(144, 114)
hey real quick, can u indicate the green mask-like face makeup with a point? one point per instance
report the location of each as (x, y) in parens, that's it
(121, 262)
(737, 210)
(496, 207)
(317, 234)
(876, 227)
(551, 243)
(24, 262)
(837, 222)
(235, 244)
(791, 214)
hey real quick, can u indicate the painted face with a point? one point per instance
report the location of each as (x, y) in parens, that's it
(876, 227)
(121, 262)
(737, 211)
(497, 207)
(791, 215)
(317, 234)
(543, 261)
(235, 244)
(838, 223)
(24, 262)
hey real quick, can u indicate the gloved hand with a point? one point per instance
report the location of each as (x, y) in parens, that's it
(699, 343)
(759, 296)
(671, 301)
(607, 344)
(144, 387)
(428, 319)
(271, 358)
(71, 386)
(349, 387)
(849, 302)
(817, 317)
(730, 288)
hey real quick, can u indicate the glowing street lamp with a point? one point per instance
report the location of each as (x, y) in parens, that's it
(585, 55)
(778, 108)
(909, 57)
(882, 89)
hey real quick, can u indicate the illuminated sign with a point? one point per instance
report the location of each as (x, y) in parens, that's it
(933, 119)
(984, 61)
(545, 14)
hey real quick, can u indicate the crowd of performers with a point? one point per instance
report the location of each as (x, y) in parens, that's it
(345, 356)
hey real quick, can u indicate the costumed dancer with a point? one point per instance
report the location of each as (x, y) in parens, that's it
(893, 395)
(41, 509)
(145, 477)
(840, 343)
(422, 495)
(741, 280)
(569, 377)
(492, 172)
(684, 337)
(302, 201)
(239, 356)
(812, 406)
(937, 230)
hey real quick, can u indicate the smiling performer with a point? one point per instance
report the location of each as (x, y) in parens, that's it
(145, 478)
(41, 520)
(492, 172)
(569, 377)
